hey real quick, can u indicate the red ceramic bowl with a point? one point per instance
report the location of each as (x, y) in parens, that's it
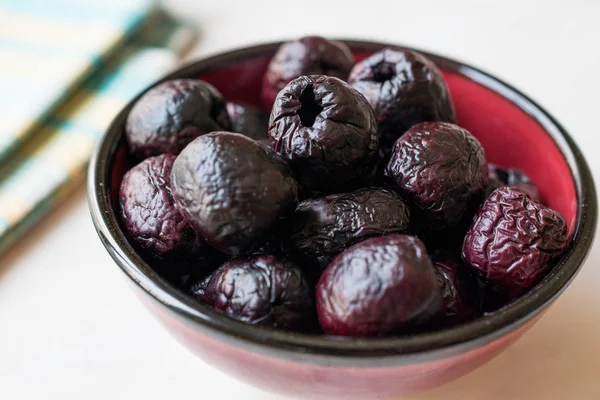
(514, 131)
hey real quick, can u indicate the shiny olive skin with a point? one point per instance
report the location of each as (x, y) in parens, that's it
(260, 290)
(440, 168)
(498, 177)
(404, 88)
(232, 190)
(311, 55)
(326, 132)
(326, 226)
(199, 288)
(150, 219)
(379, 287)
(513, 240)
(248, 120)
(460, 291)
(169, 116)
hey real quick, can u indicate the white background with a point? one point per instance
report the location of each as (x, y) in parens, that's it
(71, 329)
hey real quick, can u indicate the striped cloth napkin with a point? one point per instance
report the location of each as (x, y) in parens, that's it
(64, 82)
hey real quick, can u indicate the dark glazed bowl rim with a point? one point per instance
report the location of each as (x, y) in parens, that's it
(331, 351)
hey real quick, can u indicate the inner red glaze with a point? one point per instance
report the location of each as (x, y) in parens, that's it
(510, 137)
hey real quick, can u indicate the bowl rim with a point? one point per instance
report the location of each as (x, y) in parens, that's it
(327, 350)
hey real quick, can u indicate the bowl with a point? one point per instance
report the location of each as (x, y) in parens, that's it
(515, 132)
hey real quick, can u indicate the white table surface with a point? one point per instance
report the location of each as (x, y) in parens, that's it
(71, 329)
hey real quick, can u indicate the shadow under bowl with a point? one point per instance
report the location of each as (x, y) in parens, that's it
(514, 131)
